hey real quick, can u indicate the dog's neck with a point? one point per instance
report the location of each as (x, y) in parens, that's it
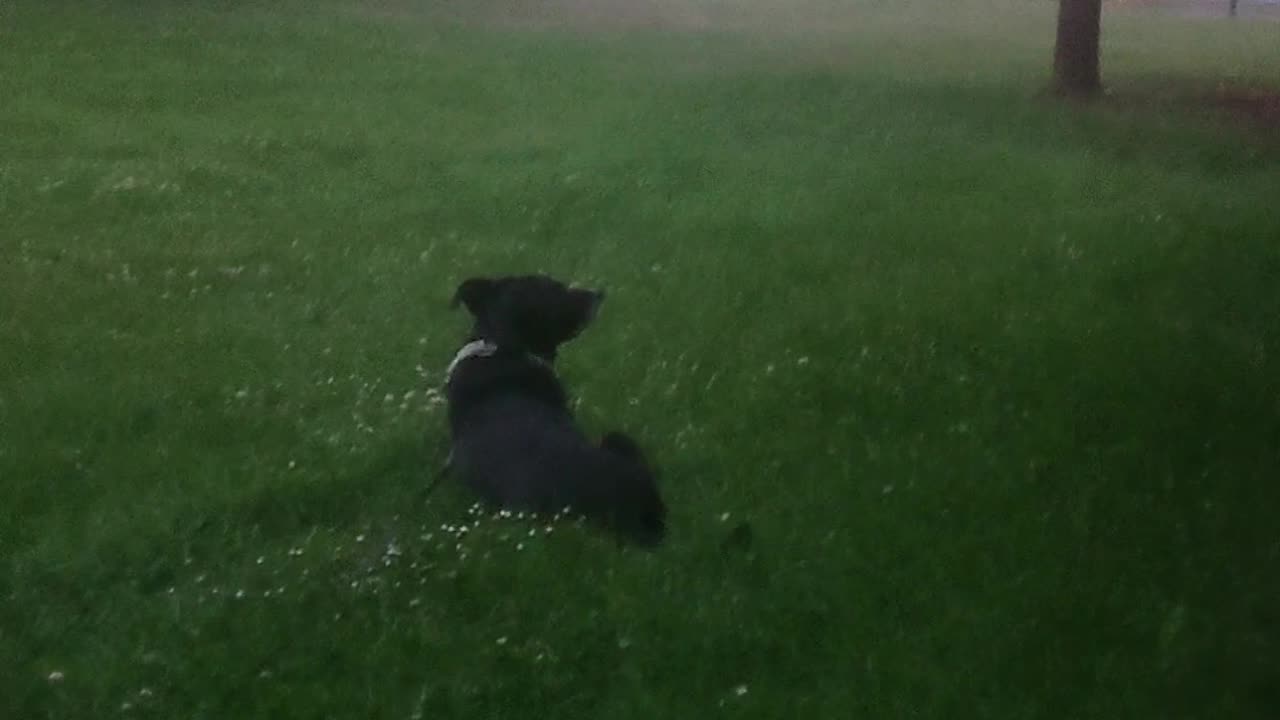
(483, 348)
(473, 349)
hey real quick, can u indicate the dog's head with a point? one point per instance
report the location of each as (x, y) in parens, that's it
(533, 313)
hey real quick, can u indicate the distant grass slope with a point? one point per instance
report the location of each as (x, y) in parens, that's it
(993, 380)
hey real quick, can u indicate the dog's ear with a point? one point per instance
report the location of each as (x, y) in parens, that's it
(475, 293)
(586, 304)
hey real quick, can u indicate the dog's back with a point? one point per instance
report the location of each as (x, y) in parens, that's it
(515, 442)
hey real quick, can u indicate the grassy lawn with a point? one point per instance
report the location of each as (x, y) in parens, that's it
(994, 381)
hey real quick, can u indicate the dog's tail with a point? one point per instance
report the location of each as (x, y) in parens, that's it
(623, 446)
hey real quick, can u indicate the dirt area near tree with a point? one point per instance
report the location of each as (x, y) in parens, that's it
(1205, 9)
(1262, 107)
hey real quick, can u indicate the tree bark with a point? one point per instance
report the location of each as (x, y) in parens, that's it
(1075, 57)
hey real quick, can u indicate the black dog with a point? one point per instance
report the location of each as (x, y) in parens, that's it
(514, 440)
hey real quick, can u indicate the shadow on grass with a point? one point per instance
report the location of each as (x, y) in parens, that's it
(150, 559)
(399, 480)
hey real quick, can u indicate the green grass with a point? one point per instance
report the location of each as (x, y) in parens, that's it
(993, 379)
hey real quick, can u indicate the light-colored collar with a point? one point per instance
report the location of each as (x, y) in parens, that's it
(473, 349)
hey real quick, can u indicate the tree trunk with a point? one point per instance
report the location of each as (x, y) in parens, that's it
(1075, 58)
